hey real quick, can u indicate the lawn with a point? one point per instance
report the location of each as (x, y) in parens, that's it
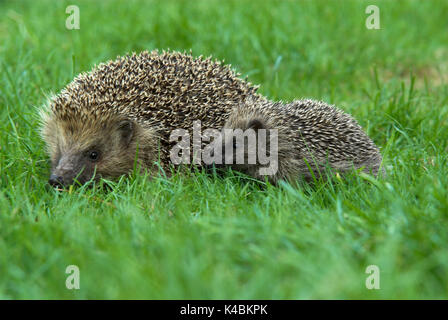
(201, 236)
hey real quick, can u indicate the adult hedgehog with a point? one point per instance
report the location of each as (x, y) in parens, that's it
(124, 110)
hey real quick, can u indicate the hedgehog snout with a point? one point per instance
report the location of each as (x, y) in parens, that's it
(60, 178)
(67, 169)
(56, 181)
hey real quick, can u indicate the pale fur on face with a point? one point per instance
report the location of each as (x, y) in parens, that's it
(119, 144)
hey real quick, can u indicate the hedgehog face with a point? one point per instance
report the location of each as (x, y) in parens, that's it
(83, 151)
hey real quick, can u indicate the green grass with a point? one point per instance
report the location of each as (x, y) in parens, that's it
(198, 236)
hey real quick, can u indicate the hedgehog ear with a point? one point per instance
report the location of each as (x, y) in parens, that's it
(256, 124)
(126, 129)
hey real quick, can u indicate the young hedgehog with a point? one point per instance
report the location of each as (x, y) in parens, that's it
(123, 112)
(310, 136)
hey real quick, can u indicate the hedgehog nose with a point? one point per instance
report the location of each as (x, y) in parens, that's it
(56, 181)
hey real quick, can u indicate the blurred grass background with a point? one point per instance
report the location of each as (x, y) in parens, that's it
(203, 237)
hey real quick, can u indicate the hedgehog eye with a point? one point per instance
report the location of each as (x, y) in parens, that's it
(93, 155)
